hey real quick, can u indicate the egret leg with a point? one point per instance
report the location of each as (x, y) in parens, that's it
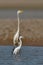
(13, 49)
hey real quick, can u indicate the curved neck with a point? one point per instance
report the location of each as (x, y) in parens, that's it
(18, 21)
(20, 43)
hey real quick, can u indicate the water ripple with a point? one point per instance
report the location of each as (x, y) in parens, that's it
(28, 56)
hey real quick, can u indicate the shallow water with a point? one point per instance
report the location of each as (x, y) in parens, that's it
(28, 56)
(12, 13)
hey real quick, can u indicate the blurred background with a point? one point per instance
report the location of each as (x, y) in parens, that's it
(31, 21)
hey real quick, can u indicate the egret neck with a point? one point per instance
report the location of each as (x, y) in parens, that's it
(18, 21)
(20, 44)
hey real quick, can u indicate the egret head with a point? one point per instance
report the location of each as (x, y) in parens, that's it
(21, 37)
(19, 11)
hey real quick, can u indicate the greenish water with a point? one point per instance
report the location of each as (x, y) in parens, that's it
(28, 56)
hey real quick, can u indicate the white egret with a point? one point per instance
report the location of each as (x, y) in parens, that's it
(16, 36)
(17, 49)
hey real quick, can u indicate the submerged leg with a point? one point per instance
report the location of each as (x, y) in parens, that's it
(12, 50)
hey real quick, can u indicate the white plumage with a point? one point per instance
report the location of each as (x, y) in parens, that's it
(17, 49)
(16, 36)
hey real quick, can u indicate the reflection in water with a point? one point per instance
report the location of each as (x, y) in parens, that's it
(28, 56)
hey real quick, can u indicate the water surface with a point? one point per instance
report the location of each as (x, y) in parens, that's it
(12, 13)
(28, 56)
